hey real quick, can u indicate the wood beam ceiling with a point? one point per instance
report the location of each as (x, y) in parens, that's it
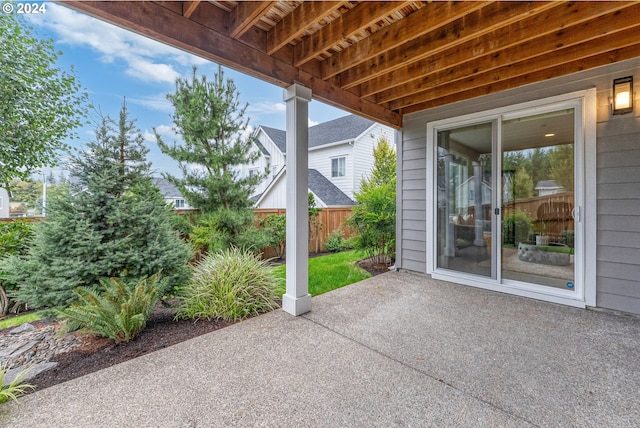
(246, 15)
(388, 58)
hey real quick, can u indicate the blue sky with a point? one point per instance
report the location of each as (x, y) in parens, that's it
(112, 63)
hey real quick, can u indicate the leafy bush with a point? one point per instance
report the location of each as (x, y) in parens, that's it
(15, 388)
(275, 228)
(225, 228)
(119, 313)
(374, 219)
(230, 285)
(516, 228)
(15, 237)
(335, 241)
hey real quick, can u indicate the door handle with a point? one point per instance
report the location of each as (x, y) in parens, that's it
(575, 213)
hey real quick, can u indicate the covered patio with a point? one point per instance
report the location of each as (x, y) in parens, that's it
(409, 63)
(398, 349)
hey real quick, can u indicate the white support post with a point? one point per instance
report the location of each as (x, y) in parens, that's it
(297, 299)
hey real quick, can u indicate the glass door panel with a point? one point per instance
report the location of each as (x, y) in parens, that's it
(464, 199)
(538, 199)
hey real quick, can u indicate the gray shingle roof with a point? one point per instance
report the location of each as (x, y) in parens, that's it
(167, 189)
(547, 184)
(262, 148)
(341, 129)
(326, 190)
(278, 137)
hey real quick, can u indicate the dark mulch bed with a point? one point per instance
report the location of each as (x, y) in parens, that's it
(161, 331)
(98, 353)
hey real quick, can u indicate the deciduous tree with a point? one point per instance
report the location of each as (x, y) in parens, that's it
(40, 104)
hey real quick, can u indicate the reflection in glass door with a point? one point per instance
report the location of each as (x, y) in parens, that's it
(538, 199)
(464, 199)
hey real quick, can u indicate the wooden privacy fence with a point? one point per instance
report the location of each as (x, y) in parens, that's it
(551, 214)
(329, 220)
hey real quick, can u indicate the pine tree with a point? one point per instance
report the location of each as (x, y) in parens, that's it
(113, 222)
(212, 125)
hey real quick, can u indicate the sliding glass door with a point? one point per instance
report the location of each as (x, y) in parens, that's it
(538, 176)
(505, 207)
(464, 199)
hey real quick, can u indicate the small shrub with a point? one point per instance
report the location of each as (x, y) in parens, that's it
(275, 227)
(516, 228)
(335, 241)
(230, 285)
(16, 388)
(15, 238)
(119, 313)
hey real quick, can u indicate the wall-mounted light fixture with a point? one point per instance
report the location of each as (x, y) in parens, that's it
(623, 95)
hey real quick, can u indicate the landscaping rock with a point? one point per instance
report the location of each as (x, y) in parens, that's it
(22, 328)
(32, 372)
(29, 347)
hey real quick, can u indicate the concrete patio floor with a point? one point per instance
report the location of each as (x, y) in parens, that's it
(395, 350)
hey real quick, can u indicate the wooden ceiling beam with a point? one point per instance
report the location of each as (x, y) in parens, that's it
(297, 22)
(355, 20)
(514, 68)
(556, 27)
(565, 69)
(432, 16)
(453, 34)
(188, 7)
(172, 28)
(245, 15)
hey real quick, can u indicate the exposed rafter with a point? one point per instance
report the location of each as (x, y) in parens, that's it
(385, 59)
(188, 7)
(295, 24)
(246, 15)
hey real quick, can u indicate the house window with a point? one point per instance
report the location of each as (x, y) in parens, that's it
(274, 170)
(253, 172)
(339, 167)
(179, 203)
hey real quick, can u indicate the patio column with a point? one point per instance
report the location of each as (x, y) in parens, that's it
(297, 299)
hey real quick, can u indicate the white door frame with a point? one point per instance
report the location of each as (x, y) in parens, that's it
(584, 105)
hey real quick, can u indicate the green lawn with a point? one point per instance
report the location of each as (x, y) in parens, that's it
(20, 319)
(329, 272)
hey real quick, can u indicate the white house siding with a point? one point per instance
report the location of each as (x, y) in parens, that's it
(275, 158)
(617, 269)
(277, 196)
(363, 152)
(320, 160)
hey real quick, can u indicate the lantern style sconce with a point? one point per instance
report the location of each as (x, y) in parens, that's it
(623, 95)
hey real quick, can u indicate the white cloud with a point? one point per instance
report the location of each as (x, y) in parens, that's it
(265, 107)
(146, 59)
(157, 102)
(166, 131)
(313, 122)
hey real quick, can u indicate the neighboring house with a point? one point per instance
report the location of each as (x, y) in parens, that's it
(4, 203)
(340, 156)
(325, 193)
(171, 194)
(548, 187)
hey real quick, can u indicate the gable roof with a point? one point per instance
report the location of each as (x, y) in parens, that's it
(278, 137)
(167, 188)
(326, 191)
(341, 129)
